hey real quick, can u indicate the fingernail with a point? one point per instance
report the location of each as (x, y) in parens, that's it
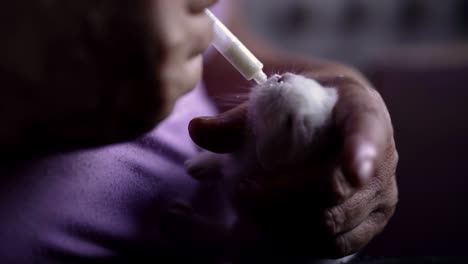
(365, 170)
(200, 120)
(365, 162)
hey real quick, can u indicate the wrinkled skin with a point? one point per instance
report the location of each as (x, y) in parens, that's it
(338, 202)
(83, 73)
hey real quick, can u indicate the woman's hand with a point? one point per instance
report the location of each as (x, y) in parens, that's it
(343, 198)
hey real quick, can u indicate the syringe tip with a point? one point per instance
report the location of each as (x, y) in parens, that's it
(260, 77)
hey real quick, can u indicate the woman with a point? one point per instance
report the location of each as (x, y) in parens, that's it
(121, 202)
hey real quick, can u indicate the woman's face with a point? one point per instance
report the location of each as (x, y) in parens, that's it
(183, 33)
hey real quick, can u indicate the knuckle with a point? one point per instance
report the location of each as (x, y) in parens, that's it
(380, 219)
(334, 218)
(381, 216)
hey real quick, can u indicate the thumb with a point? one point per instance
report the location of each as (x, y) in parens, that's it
(223, 133)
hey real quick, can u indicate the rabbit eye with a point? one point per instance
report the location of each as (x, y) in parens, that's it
(280, 79)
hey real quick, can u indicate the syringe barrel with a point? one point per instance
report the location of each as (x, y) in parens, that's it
(235, 52)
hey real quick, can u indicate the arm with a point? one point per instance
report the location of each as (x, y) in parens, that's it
(358, 193)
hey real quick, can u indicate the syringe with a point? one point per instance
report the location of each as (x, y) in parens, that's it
(235, 52)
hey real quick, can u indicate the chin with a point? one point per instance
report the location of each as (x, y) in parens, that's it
(194, 70)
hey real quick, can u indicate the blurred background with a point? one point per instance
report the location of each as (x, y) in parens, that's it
(416, 54)
(358, 32)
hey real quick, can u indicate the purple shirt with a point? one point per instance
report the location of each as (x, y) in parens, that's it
(106, 204)
(101, 203)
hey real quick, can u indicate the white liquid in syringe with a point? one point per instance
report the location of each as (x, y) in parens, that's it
(235, 52)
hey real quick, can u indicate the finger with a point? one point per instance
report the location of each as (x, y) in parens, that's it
(340, 188)
(354, 240)
(362, 119)
(347, 216)
(221, 134)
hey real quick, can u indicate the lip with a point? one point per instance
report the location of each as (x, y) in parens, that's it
(201, 48)
(199, 5)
